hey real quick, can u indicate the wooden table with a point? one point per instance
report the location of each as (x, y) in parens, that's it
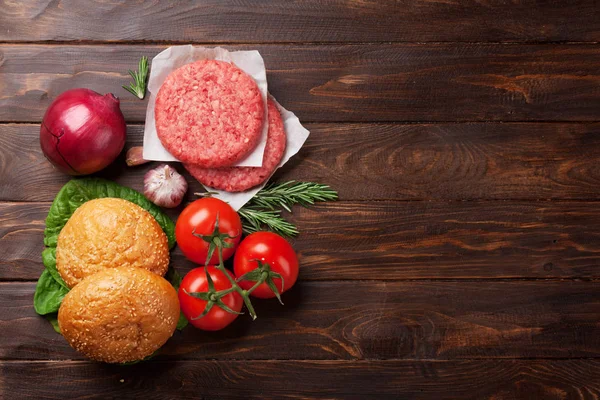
(462, 260)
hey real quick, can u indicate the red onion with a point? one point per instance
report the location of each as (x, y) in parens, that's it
(82, 131)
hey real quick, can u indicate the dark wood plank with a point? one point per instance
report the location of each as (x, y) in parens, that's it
(402, 82)
(393, 240)
(301, 21)
(419, 380)
(370, 320)
(378, 161)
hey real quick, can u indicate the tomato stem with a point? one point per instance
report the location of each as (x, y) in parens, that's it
(262, 274)
(234, 285)
(257, 284)
(223, 293)
(215, 239)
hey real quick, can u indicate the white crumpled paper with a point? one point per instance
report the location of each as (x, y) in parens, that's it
(296, 135)
(251, 62)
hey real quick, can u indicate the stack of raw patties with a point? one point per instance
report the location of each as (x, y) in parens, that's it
(210, 115)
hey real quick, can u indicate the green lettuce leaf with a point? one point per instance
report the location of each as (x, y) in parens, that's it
(53, 319)
(175, 279)
(49, 260)
(78, 191)
(48, 294)
(51, 288)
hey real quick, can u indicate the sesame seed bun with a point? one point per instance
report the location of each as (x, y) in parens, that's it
(119, 314)
(108, 233)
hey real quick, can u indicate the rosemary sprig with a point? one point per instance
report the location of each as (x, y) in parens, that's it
(263, 211)
(285, 195)
(254, 220)
(138, 87)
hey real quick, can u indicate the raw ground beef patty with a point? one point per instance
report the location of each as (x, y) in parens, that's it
(209, 113)
(238, 179)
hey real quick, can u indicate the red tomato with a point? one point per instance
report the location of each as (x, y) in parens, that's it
(192, 307)
(200, 217)
(270, 248)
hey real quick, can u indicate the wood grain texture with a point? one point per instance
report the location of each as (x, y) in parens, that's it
(392, 240)
(369, 320)
(391, 82)
(463, 137)
(419, 380)
(528, 161)
(300, 21)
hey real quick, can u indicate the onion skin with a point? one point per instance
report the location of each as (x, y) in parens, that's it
(82, 131)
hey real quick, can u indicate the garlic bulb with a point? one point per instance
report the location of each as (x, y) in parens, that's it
(164, 186)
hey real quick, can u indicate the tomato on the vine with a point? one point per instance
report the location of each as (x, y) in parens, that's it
(198, 219)
(275, 253)
(192, 307)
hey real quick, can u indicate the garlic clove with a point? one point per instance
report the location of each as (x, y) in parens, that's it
(135, 156)
(164, 186)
